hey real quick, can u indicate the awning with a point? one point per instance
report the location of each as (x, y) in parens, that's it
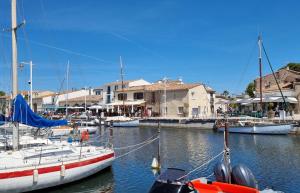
(265, 100)
(287, 99)
(127, 103)
(96, 107)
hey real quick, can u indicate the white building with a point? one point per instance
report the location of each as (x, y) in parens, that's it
(110, 88)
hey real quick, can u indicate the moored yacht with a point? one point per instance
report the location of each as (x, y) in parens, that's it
(39, 165)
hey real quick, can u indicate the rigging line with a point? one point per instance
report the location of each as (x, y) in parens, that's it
(136, 44)
(49, 54)
(5, 63)
(65, 50)
(197, 168)
(270, 65)
(136, 148)
(246, 66)
(130, 146)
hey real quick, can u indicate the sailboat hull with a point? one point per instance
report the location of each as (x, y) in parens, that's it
(129, 123)
(29, 179)
(281, 129)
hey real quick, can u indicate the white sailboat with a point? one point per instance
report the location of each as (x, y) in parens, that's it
(260, 127)
(46, 163)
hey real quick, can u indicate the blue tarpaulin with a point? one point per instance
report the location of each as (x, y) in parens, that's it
(23, 114)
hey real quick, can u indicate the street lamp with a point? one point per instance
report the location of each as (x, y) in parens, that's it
(30, 80)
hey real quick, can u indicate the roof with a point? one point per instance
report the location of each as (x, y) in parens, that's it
(170, 86)
(119, 82)
(89, 98)
(209, 89)
(283, 86)
(133, 88)
(160, 86)
(5, 97)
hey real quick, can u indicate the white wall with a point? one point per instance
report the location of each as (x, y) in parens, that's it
(139, 82)
(62, 97)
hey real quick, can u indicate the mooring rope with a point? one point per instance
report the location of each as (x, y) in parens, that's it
(149, 142)
(130, 146)
(199, 167)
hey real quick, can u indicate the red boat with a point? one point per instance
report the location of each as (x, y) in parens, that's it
(217, 187)
(171, 181)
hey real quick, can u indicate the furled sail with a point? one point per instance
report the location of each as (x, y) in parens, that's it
(23, 114)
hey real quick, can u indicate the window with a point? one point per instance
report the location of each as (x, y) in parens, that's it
(108, 90)
(116, 87)
(180, 110)
(153, 97)
(138, 95)
(122, 96)
(98, 92)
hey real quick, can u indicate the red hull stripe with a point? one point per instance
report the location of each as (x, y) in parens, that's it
(54, 168)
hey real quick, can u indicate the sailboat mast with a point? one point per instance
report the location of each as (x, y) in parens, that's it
(14, 48)
(14, 68)
(260, 71)
(122, 79)
(67, 94)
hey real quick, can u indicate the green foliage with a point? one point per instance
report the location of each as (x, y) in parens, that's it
(250, 89)
(2, 93)
(225, 93)
(293, 66)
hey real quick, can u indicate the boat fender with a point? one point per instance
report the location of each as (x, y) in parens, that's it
(85, 136)
(242, 175)
(35, 176)
(222, 172)
(62, 171)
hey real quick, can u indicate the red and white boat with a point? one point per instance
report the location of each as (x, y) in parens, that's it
(50, 165)
(29, 164)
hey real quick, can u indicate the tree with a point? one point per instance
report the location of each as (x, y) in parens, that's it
(2, 93)
(225, 93)
(250, 89)
(293, 66)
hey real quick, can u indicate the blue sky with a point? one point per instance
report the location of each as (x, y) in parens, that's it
(212, 42)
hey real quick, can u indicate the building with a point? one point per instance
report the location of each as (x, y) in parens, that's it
(82, 101)
(289, 82)
(110, 88)
(167, 99)
(68, 98)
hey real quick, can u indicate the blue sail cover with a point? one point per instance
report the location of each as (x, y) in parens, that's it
(23, 114)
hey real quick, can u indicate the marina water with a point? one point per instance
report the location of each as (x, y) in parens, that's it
(274, 160)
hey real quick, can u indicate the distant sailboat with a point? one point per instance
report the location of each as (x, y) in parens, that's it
(260, 127)
(123, 121)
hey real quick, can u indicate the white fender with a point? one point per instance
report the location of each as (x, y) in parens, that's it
(62, 170)
(35, 175)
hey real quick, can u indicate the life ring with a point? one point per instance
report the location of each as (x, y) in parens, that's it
(85, 136)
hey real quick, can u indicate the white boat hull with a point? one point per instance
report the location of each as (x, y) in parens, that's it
(130, 123)
(90, 130)
(262, 129)
(51, 175)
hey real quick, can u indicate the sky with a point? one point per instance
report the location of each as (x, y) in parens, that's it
(212, 42)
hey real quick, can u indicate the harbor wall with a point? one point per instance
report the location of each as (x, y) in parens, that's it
(178, 123)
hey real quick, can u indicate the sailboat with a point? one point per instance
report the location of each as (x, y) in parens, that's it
(259, 127)
(49, 163)
(122, 121)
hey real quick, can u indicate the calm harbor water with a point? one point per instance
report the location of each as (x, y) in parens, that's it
(274, 160)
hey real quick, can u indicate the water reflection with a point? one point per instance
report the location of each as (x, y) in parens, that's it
(274, 160)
